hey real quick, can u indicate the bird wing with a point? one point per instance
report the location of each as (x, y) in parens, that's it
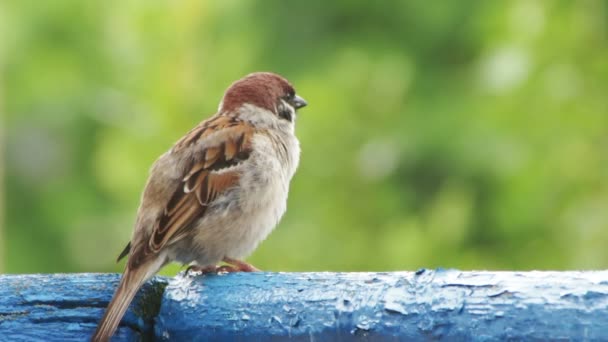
(221, 143)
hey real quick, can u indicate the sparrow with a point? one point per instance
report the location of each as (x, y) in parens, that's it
(218, 192)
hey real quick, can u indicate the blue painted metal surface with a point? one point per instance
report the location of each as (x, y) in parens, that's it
(67, 307)
(425, 305)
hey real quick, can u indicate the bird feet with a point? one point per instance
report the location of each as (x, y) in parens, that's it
(239, 266)
(202, 270)
(234, 265)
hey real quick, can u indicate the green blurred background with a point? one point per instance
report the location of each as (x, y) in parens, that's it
(466, 134)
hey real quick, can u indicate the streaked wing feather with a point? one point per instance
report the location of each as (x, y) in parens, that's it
(207, 177)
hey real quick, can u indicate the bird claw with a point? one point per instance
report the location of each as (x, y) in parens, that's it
(233, 266)
(226, 269)
(240, 266)
(201, 270)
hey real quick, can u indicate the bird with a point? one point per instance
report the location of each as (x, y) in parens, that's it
(217, 192)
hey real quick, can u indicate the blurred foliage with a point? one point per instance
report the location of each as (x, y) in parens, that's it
(466, 134)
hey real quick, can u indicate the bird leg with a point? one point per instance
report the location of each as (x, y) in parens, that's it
(234, 266)
(201, 269)
(237, 266)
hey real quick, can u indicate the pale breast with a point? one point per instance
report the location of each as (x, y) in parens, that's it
(245, 216)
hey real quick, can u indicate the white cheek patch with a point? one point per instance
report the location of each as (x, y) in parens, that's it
(287, 105)
(257, 115)
(263, 118)
(289, 110)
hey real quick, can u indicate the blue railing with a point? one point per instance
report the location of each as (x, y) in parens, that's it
(404, 306)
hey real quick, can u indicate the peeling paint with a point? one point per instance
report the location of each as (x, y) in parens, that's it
(67, 307)
(422, 305)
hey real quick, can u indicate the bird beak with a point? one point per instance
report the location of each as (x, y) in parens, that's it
(299, 102)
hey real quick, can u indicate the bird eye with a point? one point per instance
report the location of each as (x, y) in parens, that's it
(291, 94)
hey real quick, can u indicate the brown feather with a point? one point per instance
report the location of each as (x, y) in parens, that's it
(130, 282)
(192, 180)
(179, 213)
(171, 211)
(186, 216)
(124, 252)
(219, 183)
(211, 156)
(203, 182)
(230, 149)
(195, 169)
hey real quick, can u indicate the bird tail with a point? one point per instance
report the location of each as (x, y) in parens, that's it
(131, 281)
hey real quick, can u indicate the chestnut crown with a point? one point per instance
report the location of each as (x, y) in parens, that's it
(265, 90)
